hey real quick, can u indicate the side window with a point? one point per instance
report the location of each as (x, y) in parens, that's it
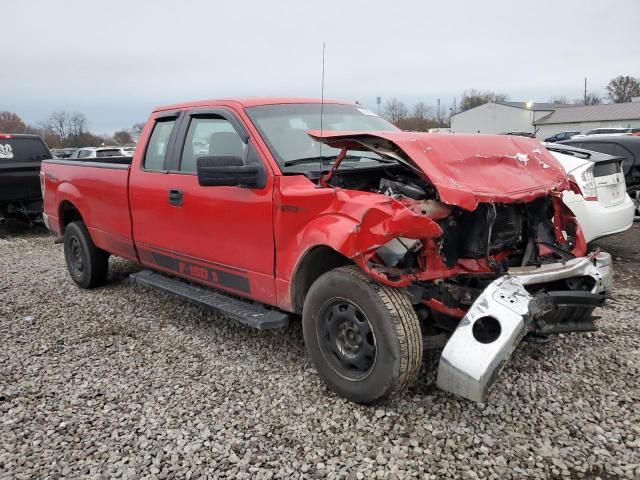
(84, 153)
(620, 151)
(626, 155)
(210, 136)
(158, 143)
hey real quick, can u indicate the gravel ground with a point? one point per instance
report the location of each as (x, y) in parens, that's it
(127, 382)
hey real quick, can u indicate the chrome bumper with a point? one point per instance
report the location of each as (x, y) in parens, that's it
(500, 317)
(597, 265)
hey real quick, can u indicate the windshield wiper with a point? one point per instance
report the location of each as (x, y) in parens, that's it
(328, 159)
(298, 161)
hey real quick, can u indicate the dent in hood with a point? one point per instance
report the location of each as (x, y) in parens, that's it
(465, 169)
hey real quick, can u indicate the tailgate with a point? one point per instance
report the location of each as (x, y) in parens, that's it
(610, 182)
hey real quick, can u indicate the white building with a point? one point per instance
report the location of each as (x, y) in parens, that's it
(546, 119)
(502, 117)
(582, 119)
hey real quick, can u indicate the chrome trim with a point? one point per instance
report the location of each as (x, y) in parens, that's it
(45, 220)
(596, 265)
(469, 368)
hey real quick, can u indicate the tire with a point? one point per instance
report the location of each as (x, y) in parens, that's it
(87, 264)
(567, 314)
(383, 356)
(634, 193)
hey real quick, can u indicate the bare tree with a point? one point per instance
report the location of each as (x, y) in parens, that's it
(592, 98)
(395, 111)
(11, 123)
(560, 99)
(421, 111)
(77, 124)
(58, 124)
(623, 88)
(122, 137)
(136, 130)
(474, 98)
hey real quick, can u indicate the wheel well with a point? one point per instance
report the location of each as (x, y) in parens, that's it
(316, 261)
(68, 213)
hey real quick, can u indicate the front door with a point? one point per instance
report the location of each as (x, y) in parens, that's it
(219, 236)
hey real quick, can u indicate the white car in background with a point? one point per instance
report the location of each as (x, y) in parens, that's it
(101, 152)
(599, 199)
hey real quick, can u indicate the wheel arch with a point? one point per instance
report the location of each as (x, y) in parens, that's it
(67, 213)
(315, 262)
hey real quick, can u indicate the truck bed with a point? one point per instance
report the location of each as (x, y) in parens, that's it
(99, 189)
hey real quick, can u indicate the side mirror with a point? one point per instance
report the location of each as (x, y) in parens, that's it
(229, 171)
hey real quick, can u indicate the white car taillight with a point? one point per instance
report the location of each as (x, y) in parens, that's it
(583, 177)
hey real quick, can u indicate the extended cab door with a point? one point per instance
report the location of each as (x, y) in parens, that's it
(218, 236)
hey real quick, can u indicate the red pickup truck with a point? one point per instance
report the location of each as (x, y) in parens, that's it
(387, 243)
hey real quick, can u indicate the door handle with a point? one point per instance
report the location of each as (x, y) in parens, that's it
(175, 197)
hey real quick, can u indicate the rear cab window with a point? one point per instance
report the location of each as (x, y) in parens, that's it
(158, 145)
(23, 149)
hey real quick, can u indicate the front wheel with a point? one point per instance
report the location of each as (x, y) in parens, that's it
(364, 338)
(87, 264)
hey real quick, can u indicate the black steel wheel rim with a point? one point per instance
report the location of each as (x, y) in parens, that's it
(75, 256)
(346, 339)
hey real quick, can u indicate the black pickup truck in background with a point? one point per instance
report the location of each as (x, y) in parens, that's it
(20, 159)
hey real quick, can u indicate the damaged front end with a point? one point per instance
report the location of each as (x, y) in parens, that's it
(506, 311)
(481, 242)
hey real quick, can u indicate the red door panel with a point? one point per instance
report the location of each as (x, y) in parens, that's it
(218, 236)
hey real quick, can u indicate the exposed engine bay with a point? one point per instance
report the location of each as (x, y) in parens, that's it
(504, 235)
(474, 248)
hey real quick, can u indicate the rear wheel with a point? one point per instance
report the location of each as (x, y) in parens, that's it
(634, 193)
(364, 338)
(87, 264)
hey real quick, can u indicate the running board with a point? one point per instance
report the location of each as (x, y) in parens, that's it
(247, 313)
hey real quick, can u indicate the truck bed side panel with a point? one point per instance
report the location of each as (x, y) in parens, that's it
(99, 192)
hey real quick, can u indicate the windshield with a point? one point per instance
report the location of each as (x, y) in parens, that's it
(284, 128)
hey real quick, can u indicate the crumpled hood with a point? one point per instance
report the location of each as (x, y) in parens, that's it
(466, 169)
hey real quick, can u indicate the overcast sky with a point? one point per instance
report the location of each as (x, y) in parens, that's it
(115, 59)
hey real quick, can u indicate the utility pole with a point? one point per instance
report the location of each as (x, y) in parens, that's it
(585, 90)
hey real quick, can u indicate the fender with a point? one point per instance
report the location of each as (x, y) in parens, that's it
(66, 191)
(357, 238)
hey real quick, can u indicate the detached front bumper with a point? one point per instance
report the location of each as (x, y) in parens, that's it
(504, 313)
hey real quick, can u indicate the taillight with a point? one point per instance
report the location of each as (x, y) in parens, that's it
(583, 178)
(2, 135)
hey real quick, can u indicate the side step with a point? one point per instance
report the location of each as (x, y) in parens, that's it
(247, 313)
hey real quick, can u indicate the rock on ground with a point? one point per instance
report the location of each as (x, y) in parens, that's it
(125, 382)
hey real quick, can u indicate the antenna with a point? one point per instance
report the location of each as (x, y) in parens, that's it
(321, 106)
